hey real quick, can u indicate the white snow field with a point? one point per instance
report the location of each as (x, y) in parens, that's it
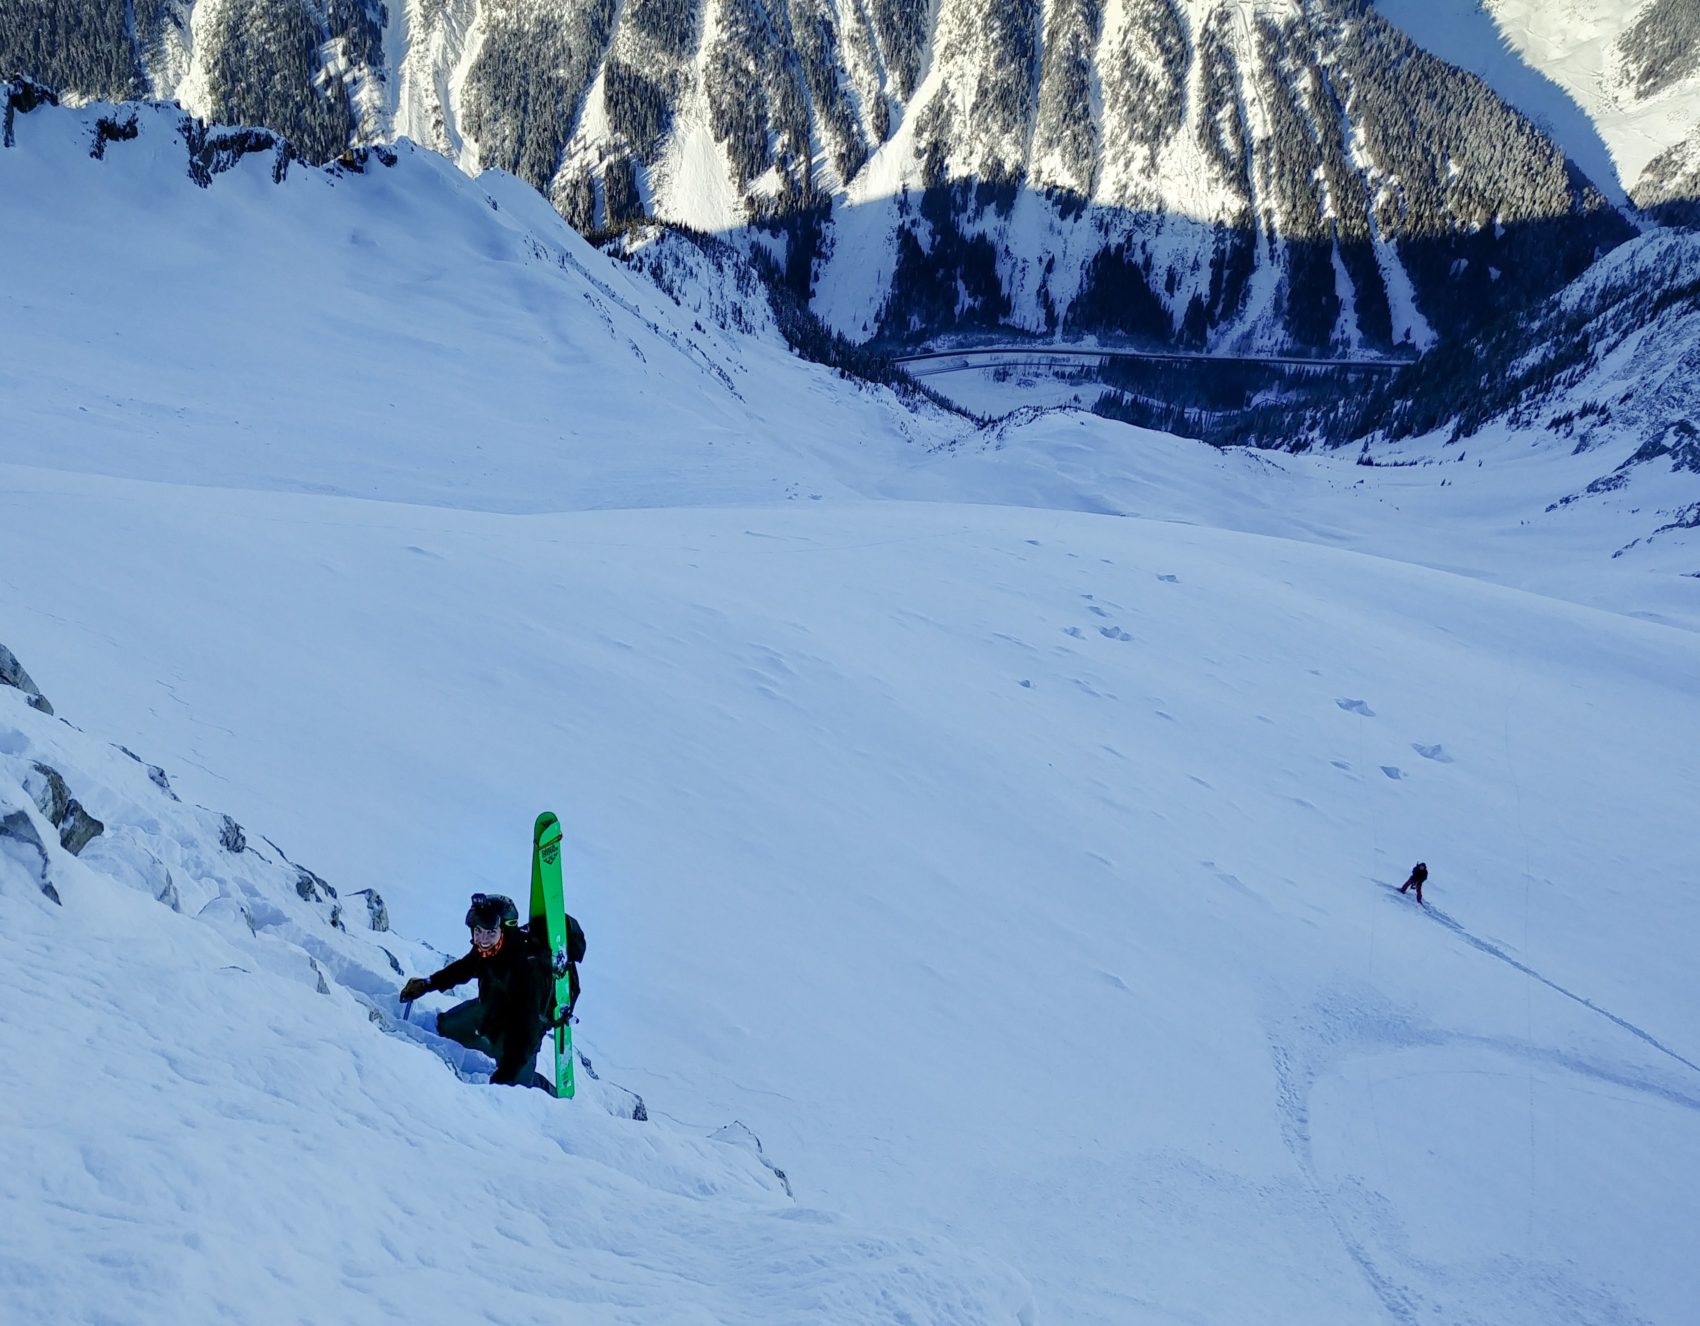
(1004, 826)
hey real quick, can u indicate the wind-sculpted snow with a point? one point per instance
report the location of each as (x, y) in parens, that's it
(482, 262)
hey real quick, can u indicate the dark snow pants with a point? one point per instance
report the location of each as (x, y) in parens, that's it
(515, 1056)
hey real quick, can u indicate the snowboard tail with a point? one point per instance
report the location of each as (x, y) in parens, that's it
(548, 904)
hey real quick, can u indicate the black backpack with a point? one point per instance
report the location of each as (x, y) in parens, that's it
(575, 955)
(537, 950)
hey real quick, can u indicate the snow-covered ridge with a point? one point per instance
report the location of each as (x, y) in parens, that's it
(212, 1071)
(514, 324)
(67, 798)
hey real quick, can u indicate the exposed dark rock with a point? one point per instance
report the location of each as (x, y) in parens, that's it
(47, 789)
(156, 775)
(212, 152)
(22, 95)
(310, 887)
(110, 130)
(20, 842)
(336, 918)
(377, 915)
(79, 828)
(231, 837)
(394, 965)
(1687, 518)
(12, 674)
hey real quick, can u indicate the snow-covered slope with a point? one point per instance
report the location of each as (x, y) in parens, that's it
(1008, 836)
(216, 1111)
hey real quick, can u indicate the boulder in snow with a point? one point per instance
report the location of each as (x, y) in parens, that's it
(20, 843)
(377, 915)
(47, 789)
(78, 828)
(231, 837)
(156, 775)
(310, 887)
(12, 674)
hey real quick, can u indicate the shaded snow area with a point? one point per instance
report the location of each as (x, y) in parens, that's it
(1003, 825)
(1613, 82)
(1552, 72)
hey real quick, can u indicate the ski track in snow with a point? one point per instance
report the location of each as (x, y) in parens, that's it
(1495, 951)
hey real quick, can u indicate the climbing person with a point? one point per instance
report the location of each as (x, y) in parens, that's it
(516, 992)
(1418, 875)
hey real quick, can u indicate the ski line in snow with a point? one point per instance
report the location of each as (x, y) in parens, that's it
(1494, 951)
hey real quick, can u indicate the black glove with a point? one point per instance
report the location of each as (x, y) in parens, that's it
(413, 989)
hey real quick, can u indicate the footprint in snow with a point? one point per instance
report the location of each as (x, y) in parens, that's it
(1075, 631)
(1356, 707)
(1227, 877)
(1436, 753)
(1096, 611)
(1169, 580)
(1393, 772)
(1113, 633)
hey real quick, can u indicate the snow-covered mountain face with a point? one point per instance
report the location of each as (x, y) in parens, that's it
(1288, 174)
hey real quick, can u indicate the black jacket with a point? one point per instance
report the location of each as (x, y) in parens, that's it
(514, 983)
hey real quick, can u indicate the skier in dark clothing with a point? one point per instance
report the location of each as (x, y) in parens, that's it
(1418, 875)
(508, 1018)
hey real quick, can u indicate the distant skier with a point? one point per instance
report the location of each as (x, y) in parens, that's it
(515, 991)
(1418, 875)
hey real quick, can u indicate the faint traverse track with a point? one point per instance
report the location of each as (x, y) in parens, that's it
(1494, 951)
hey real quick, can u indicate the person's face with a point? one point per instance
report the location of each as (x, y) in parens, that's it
(485, 938)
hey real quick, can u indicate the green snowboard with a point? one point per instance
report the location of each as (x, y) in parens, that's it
(546, 902)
